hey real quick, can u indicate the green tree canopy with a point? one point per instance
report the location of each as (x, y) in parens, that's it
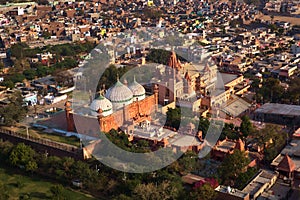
(173, 117)
(271, 90)
(206, 192)
(246, 126)
(14, 111)
(58, 193)
(23, 156)
(165, 190)
(232, 166)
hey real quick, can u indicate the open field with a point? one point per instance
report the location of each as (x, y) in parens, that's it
(18, 185)
(292, 20)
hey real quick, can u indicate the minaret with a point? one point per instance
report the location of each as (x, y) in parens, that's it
(100, 121)
(69, 116)
(187, 83)
(124, 113)
(138, 105)
(156, 90)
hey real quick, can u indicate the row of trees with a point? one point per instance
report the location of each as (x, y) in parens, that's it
(101, 180)
(22, 50)
(273, 91)
(65, 57)
(37, 70)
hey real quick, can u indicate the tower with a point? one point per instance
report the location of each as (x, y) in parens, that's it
(155, 90)
(69, 116)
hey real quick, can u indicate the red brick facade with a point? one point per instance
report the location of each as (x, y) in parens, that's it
(133, 113)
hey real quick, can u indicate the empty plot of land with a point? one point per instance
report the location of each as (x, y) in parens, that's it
(292, 20)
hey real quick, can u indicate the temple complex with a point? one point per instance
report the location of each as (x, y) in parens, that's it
(127, 107)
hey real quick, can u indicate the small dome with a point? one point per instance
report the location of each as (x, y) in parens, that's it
(119, 95)
(137, 89)
(101, 103)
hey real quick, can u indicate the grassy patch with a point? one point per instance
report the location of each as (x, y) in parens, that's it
(72, 140)
(18, 185)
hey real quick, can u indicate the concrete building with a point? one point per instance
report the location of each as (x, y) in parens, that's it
(228, 193)
(263, 181)
(278, 113)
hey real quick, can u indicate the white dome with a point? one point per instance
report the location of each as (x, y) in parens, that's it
(119, 95)
(137, 89)
(101, 103)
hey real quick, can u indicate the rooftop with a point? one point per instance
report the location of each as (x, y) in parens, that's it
(231, 191)
(184, 140)
(279, 109)
(225, 145)
(236, 107)
(263, 178)
(227, 78)
(293, 150)
(191, 178)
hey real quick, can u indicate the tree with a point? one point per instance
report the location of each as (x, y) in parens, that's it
(230, 132)
(203, 125)
(158, 56)
(110, 75)
(16, 77)
(232, 166)
(58, 192)
(246, 126)
(146, 192)
(23, 156)
(17, 50)
(8, 84)
(42, 71)
(272, 138)
(64, 78)
(206, 192)
(165, 190)
(29, 74)
(21, 64)
(244, 178)
(5, 149)
(173, 117)
(271, 90)
(293, 91)
(13, 112)
(3, 192)
(188, 162)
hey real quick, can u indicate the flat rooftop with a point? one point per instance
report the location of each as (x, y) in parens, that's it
(184, 140)
(231, 191)
(277, 191)
(236, 107)
(225, 146)
(264, 177)
(279, 109)
(227, 78)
